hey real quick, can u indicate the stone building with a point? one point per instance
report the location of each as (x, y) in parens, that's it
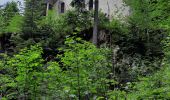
(111, 8)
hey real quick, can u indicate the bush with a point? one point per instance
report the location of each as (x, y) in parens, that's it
(81, 73)
(86, 68)
(20, 72)
(153, 87)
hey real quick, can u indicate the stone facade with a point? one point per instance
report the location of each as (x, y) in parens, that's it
(112, 8)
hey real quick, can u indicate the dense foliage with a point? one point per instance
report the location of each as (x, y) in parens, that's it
(83, 73)
(52, 57)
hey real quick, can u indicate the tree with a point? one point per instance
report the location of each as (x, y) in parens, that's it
(81, 73)
(34, 11)
(6, 16)
(96, 21)
(7, 13)
(145, 31)
(2, 22)
(20, 74)
(10, 10)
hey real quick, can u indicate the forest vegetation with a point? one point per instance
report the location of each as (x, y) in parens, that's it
(84, 55)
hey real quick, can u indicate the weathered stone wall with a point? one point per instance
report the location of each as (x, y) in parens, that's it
(112, 8)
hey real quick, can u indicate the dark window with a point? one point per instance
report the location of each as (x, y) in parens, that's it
(50, 7)
(90, 4)
(62, 7)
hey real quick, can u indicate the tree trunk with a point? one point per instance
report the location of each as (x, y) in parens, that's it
(47, 9)
(96, 21)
